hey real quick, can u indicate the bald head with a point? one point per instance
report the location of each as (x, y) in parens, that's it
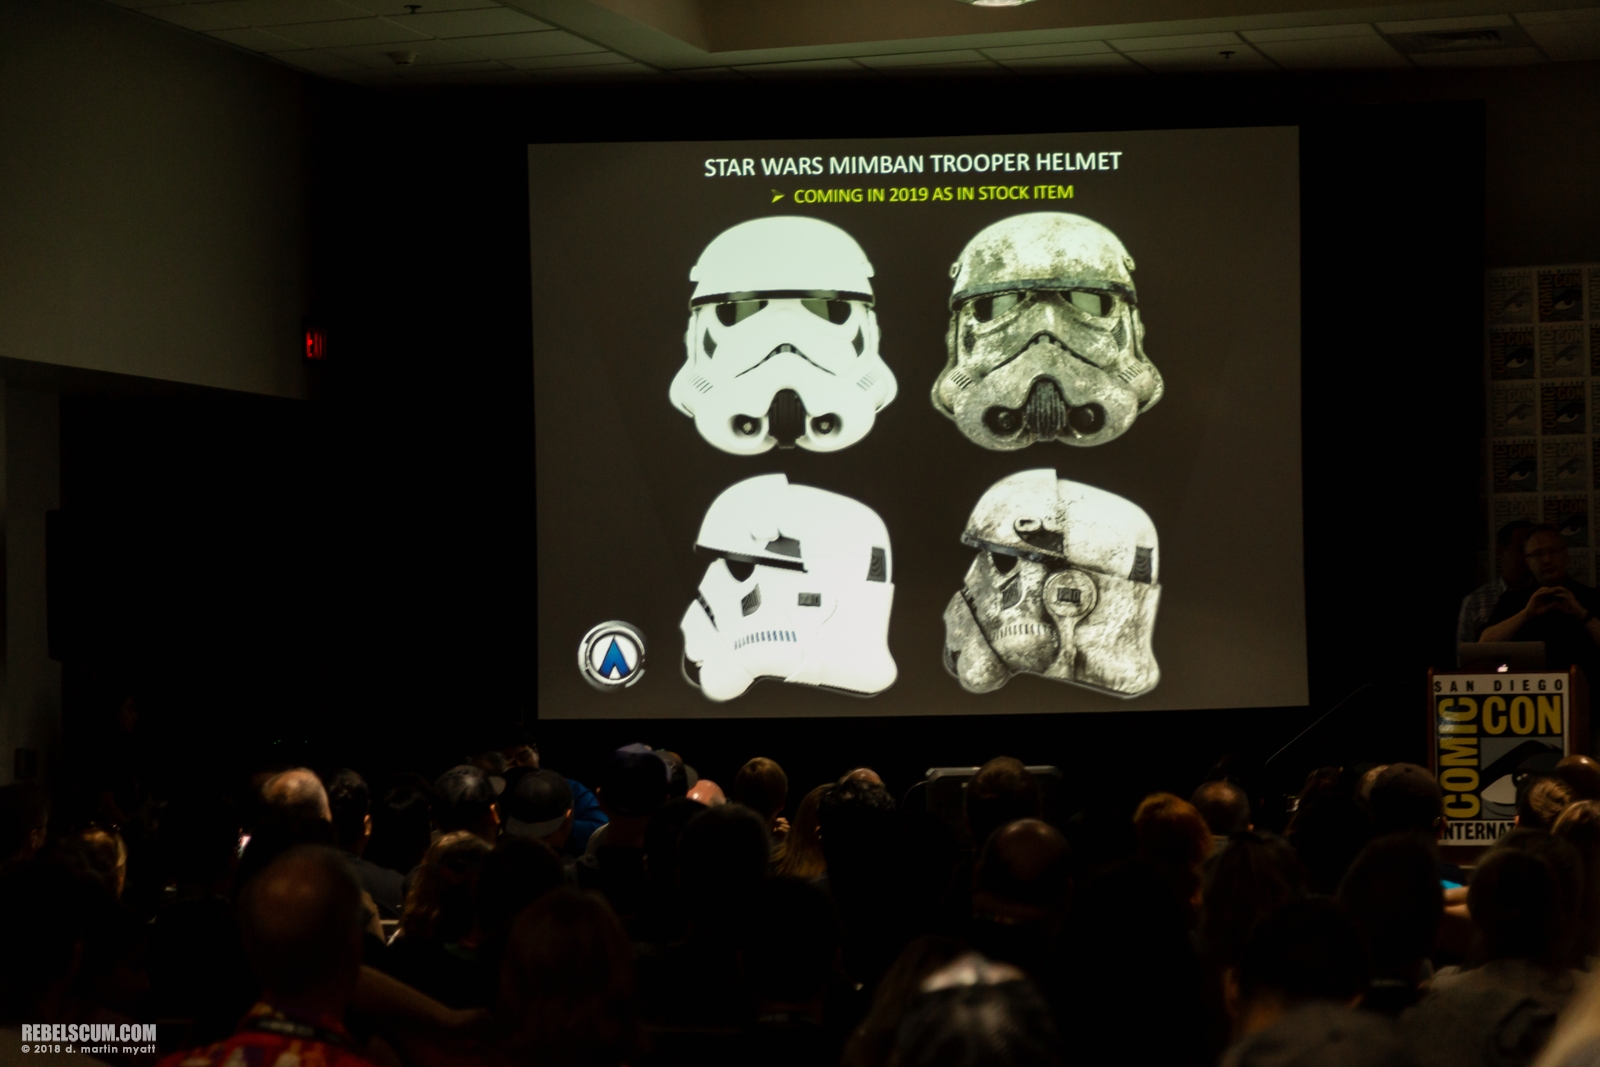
(1026, 864)
(862, 774)
(707, 792)
(297, 793)
(1224, 807)
(300, 920)
(1582, 775)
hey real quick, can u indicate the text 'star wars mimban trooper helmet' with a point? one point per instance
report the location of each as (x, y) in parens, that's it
(801, 592)
(1064, 586)
(1045, 340)
(782, 342)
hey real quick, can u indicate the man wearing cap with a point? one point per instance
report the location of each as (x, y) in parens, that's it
(539, 807)
(633, 785)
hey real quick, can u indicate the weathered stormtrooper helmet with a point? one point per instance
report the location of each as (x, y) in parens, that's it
(1064, 586)
(800, 592)
(1045, 340)
(782, 341)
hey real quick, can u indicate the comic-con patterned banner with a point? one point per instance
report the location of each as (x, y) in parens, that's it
(1542, 347)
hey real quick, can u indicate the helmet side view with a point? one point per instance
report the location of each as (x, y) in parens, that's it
(1045, 340)
(781, 349)
(1064, 585)
(800, 590)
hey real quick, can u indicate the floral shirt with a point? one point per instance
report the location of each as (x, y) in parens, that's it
(267, 1037)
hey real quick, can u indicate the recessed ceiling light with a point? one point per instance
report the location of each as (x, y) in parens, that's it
(997, 3)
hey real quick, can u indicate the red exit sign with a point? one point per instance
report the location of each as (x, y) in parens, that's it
(316, 343)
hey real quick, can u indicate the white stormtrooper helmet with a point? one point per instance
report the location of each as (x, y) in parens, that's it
(782, 345)
(1064, 586)
(1045, 340)
(800, 593)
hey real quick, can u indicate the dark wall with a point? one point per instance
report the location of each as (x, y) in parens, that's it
(405, 487)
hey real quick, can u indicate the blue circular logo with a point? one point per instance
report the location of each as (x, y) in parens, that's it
(611, 656)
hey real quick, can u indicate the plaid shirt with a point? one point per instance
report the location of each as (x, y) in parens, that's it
(1475, 610)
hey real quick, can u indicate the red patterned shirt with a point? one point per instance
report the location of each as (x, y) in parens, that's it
(268, 1037)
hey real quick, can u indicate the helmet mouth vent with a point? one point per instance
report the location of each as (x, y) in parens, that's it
(786, 418)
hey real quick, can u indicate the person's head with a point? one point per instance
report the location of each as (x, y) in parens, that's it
(632, 783)
(861, 774)
(1025, 874)
(856, 819)
(513, 875)
(762, 787)
(1566, 866)
(802, 848)
(791, 946)
(1581, 774)
(977, 1014)
(99, 853)
(872, 1042)
(677, 773)
(1307, 950)
(24, 818)
(1510, 544)
(297, 794)
(1541, 802)
(273, 838)
(1175, 839)
(722, 861)
(1545, 551)
(1579, 826)
(707, 792)
(1515, 901)
(567, 985)
(1253, 877)
(440, 904)
(1405, 798)
(199, 840)
(300, 921)
(1329, 825)
(1392, 893)
(402, 827)
(539, 808)
(1001, 792)
(350, 805)
(1224, 806)
(464, 800)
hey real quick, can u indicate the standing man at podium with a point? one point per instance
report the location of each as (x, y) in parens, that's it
(1550, 607)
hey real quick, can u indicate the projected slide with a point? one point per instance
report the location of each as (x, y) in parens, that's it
(748, 506)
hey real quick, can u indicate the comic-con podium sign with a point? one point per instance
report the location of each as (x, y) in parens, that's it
(1490, 733)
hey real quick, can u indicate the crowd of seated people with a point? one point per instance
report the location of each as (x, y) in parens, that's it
(506, 914)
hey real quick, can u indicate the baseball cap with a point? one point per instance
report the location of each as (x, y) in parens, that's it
(537, 805)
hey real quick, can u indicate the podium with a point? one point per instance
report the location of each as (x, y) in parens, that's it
(1488, 733)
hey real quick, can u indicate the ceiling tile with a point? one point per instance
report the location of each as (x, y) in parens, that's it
(347, 33)
(1334, 53)
(1208, 58)
(256, 40)
(588, 59)
(1481, 57)
(479, 23)
(1464, 22)
(1105, 61)
(320, 62)
(1182, 40)
(524, 45)
(427, 52)
(920, 59)
(1565, 35)
(803, 66)
(278, 12)
(197, 17)
(1041, 51)
(1311, 33)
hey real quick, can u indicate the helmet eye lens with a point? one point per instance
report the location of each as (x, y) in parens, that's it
(1092, 303)
(736, 311)
(1003, 563)
(740, 569)
(835, 311)
(992, 307)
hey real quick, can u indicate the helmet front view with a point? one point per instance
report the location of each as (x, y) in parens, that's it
(1045, 342)
(1064, 585)
(782, 343)
(800, 591)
